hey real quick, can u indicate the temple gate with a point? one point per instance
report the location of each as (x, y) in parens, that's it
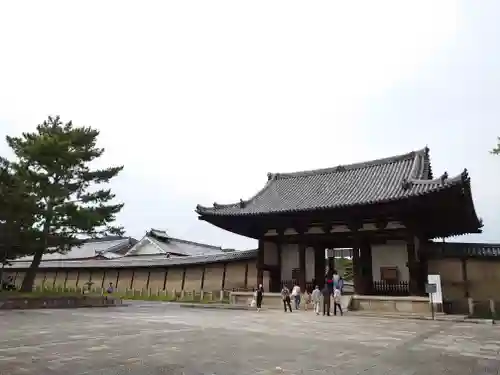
(385, 210)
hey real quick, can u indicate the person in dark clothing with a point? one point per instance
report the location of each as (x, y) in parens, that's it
(285, 295)
(326, 300)
(260, 296)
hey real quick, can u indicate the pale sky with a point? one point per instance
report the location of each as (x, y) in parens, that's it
(200, 99)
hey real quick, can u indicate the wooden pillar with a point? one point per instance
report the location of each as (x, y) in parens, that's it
(260, 263)
(223, 281)
(423, 266)
(183, 278)
(331, 263)
(302, 265)
(366, 269)
(412, 265)
(246, 276)
(202, 283)
(465, 277)
(319, 265)
(279, 249)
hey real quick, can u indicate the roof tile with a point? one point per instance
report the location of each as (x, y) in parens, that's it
(143, 262)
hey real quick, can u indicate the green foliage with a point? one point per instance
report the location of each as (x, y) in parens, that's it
(496, 150)
(344, 267)
(54, 163)
(17, 215)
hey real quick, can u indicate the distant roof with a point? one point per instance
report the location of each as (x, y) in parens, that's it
(376, 181)
(106, 247)
(143, 261)
(162, 243)
(465, 250)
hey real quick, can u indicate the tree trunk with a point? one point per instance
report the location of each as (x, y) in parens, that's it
(29, 278)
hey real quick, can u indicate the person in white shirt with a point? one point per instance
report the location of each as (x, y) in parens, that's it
(296, 296)
(336, 301)
(316, 299)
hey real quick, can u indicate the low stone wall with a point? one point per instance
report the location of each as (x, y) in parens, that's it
(13, 302)
(209, 278)
(411, 304)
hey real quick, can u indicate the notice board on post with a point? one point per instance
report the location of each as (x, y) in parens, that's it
(437, 297)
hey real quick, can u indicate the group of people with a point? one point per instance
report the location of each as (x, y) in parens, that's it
(320, 298)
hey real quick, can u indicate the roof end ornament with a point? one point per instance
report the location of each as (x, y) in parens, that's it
(242, 203)
(465, 176)
(216, 205)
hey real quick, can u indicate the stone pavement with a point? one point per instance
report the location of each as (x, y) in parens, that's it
(156, 338)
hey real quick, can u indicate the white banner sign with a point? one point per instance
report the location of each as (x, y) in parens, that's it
(438, 296)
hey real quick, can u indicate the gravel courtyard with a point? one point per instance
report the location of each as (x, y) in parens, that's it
(149, 338)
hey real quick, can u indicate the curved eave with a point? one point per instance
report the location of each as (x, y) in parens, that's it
(455, 215)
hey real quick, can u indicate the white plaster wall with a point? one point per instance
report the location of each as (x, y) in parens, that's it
(289, 260)
(270, 253)
(390, 255)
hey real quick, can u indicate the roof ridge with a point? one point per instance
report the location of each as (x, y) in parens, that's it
(444, 179)
(104, 239)
(154, 232)
(195, 243)
(271, 177)
(341, 168)
(243, 202)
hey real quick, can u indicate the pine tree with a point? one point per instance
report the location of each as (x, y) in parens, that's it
(55, 162)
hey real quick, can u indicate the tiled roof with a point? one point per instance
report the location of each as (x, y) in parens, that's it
(143, 262)
(376, 181)
(89, 249)
(464, 249)
(164, 244)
